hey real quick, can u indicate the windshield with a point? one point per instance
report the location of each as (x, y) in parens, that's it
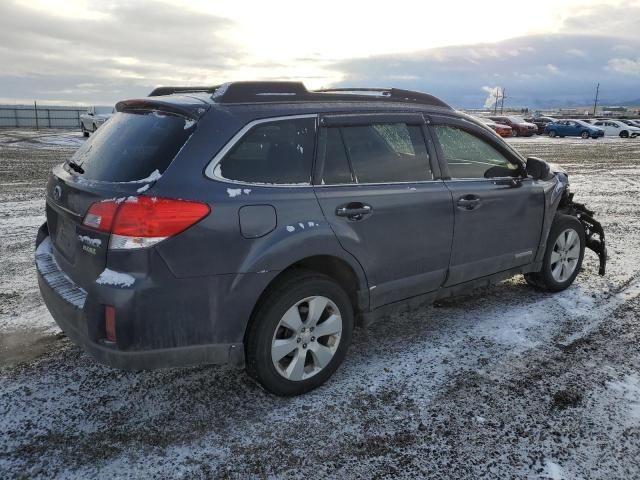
(517, 119)
(132, 146)
(583, 123)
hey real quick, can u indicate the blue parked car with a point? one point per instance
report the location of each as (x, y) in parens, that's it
(572, 128)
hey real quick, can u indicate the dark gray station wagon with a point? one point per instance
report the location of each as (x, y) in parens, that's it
(256, 222)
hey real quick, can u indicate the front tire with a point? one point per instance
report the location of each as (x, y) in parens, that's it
(299, 334)
(624, 134)
(552, 133)
(563, 256)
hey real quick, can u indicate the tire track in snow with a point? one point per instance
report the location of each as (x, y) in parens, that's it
(600, 313)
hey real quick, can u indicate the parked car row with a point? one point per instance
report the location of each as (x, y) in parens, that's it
(506, 126)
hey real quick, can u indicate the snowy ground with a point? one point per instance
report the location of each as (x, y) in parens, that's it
(502, 383)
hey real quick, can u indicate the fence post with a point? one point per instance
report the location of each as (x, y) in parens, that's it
(15, 114)
(49, 117)
(35, 106)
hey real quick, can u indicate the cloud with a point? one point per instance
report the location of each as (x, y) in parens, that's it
(626, 66)
(131, 48)
(605, 19)
(124, 49)
(460, 74)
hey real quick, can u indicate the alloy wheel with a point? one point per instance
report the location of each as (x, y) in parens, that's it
(565, 255)
(306, 338)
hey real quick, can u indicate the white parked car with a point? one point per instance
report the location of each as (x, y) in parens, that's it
(633, 123)
(616, 127)
(94, 118)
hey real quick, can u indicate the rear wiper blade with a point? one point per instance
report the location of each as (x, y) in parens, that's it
(74, 166)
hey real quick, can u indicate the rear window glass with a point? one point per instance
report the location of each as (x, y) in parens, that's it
(132, 146)
(277, 152)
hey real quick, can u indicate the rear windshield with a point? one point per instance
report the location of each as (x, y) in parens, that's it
(132, 146)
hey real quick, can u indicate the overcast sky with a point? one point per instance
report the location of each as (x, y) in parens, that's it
(543, 52)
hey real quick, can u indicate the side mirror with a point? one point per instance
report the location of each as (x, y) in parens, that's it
(538, 168)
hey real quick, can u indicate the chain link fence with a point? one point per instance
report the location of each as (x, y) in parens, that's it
(32, 116)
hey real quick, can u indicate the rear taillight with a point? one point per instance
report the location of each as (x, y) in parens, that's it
(143, 221)
(100, 215)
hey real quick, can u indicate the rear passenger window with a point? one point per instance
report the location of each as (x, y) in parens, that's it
(336, 164)
(383, 153)
(278, 152)
(469, 156)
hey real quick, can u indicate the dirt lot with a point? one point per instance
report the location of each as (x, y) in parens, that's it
(502, 383)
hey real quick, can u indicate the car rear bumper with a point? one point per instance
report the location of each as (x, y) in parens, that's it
(80, 317)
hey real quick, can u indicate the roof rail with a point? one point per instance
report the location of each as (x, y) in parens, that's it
(392, 94)
(357, 90)
(286, 92)
(158, 91)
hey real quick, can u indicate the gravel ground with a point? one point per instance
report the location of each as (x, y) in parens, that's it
(502, 383)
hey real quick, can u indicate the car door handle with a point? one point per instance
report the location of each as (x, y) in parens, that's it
(354, 211)
(469, 202)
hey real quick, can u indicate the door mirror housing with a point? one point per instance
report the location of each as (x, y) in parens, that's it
(537, 168)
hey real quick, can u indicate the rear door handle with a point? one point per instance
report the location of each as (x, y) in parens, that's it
(469, 202)
(354, 211)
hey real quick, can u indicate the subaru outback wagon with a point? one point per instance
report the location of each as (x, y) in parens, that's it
(255, 223)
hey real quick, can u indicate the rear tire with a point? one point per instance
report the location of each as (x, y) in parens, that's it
(292, 313)
(624, 134)
(585, 134)
(85, 133)
(563, 255)
(552, 133)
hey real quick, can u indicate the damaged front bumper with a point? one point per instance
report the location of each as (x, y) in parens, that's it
(593, 230)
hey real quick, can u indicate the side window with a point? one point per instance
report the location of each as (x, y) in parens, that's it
(469, 156)
(385, 153)
(336, 164)
(278, 152)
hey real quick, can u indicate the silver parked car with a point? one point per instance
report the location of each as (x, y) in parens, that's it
(94, 118)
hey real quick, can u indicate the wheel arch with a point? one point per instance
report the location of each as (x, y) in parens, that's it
(350, 277)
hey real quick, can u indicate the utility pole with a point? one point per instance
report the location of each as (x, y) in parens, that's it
(502, 103)
(496, 94)
(595, 104)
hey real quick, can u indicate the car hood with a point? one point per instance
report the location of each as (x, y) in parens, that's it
(103, 116)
